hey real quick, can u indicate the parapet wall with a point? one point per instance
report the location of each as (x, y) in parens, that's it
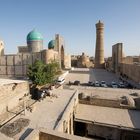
(65, 123)
(101, 102)
(116, 103)
(10, 94)
(44, 134)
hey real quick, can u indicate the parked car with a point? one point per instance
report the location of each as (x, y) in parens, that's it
(121, 85)
(103, 84)
(129, 85)
(90, 83)
(96, 84)
(76, 83)
(114, 85)
(60, 80)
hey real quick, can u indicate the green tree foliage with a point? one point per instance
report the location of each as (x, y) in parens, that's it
(41, 73)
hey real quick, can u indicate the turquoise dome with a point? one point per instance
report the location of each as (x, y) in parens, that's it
(34, 35)
(51, 44)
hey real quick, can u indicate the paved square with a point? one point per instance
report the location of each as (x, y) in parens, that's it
(84, 75)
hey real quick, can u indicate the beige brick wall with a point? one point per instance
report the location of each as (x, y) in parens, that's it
(10, 59)
(18, 59)
(16, 65)
(10, 70)
(26, 59)
(25, 68)
(51, 55)
(18, 70)
(132, 71)
(2, 70)
(36, 56)
(3, 60)
(10, 94)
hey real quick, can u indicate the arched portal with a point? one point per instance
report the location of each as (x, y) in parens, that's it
(62, 56)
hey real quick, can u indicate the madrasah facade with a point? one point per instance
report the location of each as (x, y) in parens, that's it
(16, 65)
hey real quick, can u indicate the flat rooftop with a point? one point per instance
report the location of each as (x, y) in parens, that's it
(47, 112)
(108, 116)
(9, 81)
(107, 93)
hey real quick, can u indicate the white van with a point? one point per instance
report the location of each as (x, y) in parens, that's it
(60, 80)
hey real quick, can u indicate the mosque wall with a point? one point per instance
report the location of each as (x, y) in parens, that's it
(17, 60)
(35, 46)
(35, 56)
(10, 70)
(3, 61)
(10, 60)
(23, 49)
(16, 65)
(18, 70)
(51, 55)
(3, 70)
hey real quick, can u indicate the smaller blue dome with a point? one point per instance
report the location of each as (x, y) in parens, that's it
(51, 44)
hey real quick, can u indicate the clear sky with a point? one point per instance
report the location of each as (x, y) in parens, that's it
(74, 20)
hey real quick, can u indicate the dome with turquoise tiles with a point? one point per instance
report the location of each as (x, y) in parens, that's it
(51, 44)
(34, 35)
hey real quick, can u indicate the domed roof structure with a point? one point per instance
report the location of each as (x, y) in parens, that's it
(51, 44)
(34, 35)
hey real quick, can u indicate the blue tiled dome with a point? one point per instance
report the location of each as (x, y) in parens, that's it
(34, 35)
(51, 44)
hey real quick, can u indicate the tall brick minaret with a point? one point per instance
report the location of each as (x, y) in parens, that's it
(99, 52)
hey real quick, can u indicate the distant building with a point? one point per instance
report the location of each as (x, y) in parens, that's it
(130, 68)
(131, 59)
(127, 67)
(84, 61)
(81, 61)
(117, 56)
(16, 65)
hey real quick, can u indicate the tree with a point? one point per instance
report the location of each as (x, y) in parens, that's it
(41, 73)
